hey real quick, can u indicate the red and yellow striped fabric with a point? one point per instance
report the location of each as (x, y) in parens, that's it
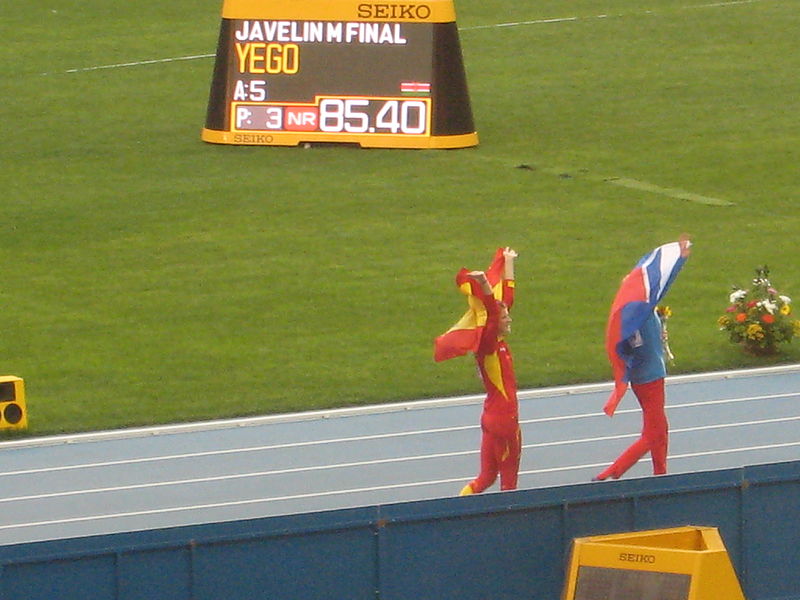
(465, 335)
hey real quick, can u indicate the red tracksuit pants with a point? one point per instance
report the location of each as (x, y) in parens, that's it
(501, 448)
(655, 432)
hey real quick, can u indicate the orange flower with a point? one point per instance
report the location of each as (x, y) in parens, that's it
(741, 318)
(768, 318)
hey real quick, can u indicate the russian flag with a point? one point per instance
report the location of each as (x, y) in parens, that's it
(465, 335)
(638, 295)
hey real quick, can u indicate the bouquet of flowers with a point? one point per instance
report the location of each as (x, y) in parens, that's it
(759, 317)
(664, 313)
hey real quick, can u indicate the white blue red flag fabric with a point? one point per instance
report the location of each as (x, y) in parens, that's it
(638, 295)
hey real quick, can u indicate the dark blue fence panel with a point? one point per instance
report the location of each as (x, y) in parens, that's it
(87, 578)
(597, 517)
(507, 553)
(335, 564)
(719, 508)
(164, 573)
(772, 534)
(509, 545)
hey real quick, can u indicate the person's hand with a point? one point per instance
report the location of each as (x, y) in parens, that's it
(686, 245)
(478, 276)
(482, 280)
(508, 259)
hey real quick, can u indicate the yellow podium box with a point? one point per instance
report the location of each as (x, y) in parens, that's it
(684, 563)
(13, 412)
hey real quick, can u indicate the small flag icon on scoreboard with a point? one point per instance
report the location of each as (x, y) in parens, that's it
(416, 88)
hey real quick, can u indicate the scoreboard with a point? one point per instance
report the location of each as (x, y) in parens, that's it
(600, 583)
(681, 563)
(377, 74)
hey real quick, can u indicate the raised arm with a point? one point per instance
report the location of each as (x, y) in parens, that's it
(685, 243)
(481, 279)
(510, 256)
(488, 342)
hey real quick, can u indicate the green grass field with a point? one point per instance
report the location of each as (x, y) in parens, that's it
(150, 277)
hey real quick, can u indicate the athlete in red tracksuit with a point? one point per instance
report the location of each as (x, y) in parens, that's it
(501, 443)
(647, 380)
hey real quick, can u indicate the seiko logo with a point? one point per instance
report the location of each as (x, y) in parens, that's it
(638, 558)
(252, 138)
(412, 12)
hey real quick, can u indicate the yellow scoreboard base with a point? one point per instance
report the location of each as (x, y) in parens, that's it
(684, 563)
(13, 412)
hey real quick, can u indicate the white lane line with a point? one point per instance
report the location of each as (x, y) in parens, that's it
(671, 457)
(209, 506)
(673, 432)
(384, 461)
(546, 393)
(670, 408)
(294, 497)
(229, 451)
(382, 436)
(293, 470)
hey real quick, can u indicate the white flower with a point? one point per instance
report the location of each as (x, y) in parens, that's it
(769, 306)
(737, 295)
(785, 299)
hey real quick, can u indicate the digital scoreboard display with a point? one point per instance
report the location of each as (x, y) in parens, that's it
(600, 583)
(376, 74)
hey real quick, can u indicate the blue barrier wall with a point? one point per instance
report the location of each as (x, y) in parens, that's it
(499, 546)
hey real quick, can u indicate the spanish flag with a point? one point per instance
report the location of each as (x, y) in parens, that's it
(465, 335)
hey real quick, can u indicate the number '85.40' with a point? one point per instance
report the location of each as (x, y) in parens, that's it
(353, 115)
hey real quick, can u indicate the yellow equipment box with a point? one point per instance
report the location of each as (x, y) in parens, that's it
(13, 412)
(684, 563)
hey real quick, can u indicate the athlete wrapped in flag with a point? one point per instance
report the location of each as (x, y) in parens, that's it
(482, 331)
(635, 347)
(464, 337)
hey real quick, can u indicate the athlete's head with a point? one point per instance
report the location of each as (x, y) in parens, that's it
(505, 319)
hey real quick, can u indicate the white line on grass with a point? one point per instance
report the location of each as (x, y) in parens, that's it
(520, 23)
(604, 16)
(676, 193)
(718, 4)
(635, 184)
(472, 28)
(139, 63)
